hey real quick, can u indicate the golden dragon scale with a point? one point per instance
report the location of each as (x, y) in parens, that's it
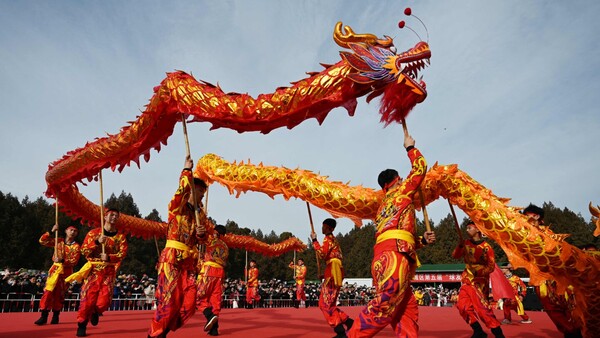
(543, 255)
(371, 67)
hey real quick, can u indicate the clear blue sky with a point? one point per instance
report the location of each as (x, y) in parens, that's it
(513, 94)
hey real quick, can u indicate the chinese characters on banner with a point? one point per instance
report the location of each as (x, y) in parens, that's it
(452, 277)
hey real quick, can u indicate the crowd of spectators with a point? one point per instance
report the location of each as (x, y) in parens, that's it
(435, 296)
(22, 289)
(278, 293)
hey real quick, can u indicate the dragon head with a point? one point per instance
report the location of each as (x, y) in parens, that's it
(376, 63)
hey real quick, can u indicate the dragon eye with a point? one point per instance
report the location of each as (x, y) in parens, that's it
(393, 49)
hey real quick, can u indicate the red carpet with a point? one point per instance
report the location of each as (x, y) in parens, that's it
(260, 323)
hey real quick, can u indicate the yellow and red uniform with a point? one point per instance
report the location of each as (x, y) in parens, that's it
(515, 304)
(176, 283)
(54, 291)
(395, 260)
(331, 253)
(473, 295)
(559, 307)
(252, 286)
(300, 271)
(210, 278)
(97, 289)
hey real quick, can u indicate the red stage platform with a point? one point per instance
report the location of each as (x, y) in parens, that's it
(261, 323)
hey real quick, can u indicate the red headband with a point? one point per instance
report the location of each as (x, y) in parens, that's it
(391, 183)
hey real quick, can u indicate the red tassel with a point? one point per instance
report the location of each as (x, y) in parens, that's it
(396, 103)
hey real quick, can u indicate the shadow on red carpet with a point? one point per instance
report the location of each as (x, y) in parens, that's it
(261, 323)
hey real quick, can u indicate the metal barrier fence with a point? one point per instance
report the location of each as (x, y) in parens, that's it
(26, 302)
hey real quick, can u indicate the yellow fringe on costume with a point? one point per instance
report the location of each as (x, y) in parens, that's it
(336, 271)
(51, 281)
(187, 252)
(398, 234)
(82, 274)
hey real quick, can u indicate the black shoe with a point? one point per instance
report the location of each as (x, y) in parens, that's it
(478, 331)
(349, 322)
(43, 318)
(214, 330)
(214, 320)
(55, 315)
(211, 319)
(95, 318)
(341, 332)
(497, 331)
(81, 327)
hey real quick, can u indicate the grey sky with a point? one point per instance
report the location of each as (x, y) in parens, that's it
(513, 90)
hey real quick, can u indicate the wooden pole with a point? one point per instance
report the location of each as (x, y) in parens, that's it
(188, 153)
(419, 191)
(101, 209)
(425, 215)
(56, 232)
(294, 264)
(206, 202)
(246, 269)
(455, 221)
(157, 249)
(312, 228)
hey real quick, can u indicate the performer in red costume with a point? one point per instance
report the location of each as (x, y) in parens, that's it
(556, 305)
(515, 304)
(395, 260)
(176, 283)
(334, 275)
(99, 272)
(65, 258)
(300, 272)
(252, 295)
(210, 278)
(474, 291)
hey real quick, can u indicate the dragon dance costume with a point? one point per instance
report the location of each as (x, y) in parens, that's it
(334, 275)
(300, 272)
(98, 276)
(395, 260)
(54, 291)
(515, 304)
(176, 283)
(558, 307)
(474, 291)
(212, 272)
(252, 287)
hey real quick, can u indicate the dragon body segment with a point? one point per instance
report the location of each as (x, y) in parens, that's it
(545, 256)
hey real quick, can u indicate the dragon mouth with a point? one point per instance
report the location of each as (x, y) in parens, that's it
(410, 64)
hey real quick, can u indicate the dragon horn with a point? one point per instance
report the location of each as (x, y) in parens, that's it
(342, 38)
(594, 210)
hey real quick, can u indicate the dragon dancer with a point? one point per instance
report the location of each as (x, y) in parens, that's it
(331, 253)
(300, 277)
(176, 283)
(65, 257)
(104, 251)
(556, 305)
(514, 304)
(210, 278)
(395, 260)
(473, 294)
(252, 296)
